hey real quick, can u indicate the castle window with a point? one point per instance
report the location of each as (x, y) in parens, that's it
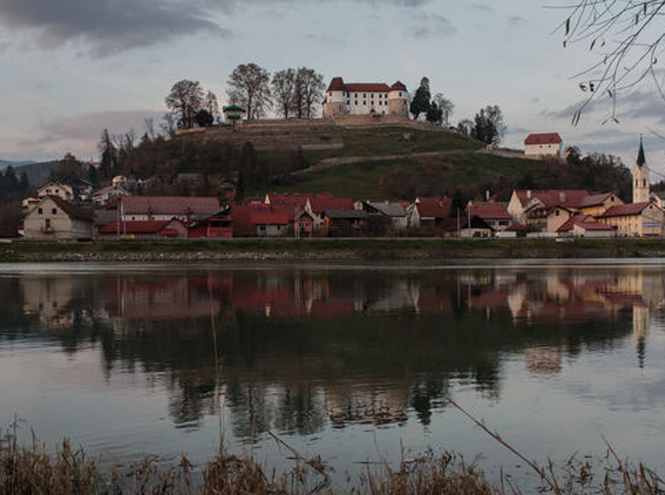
(330, 93)
(364, 95)
(356, 95)
(364, 102)
(355, 102)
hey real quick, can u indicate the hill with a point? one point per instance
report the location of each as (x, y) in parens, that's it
(38, 173)
(7, 163)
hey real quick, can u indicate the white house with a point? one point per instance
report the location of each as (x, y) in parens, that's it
(53, 188)
(548, 144)
(55, 219)
(365, 99)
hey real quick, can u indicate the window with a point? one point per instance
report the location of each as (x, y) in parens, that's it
(330, 93)
(47, 223)
(355, 95)
(364, 102)
(54, 211)
(40, 211)
(364, 95)
(355, 102)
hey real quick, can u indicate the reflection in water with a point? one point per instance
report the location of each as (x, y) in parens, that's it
(333, 355)
(304, 349)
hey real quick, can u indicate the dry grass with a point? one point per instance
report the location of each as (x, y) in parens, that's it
(31, 469)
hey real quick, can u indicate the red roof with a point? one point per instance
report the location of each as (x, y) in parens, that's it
(627, 209)
(170, 205)
(286, 199)
(321, 202)
(134, 227)
(434, 207)
(547, 138)
(490, 212)
(553, 197)
(587, 222)
(337, 84)
(593, 200)
(270, 217)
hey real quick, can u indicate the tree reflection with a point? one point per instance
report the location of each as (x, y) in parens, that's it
(305, 348)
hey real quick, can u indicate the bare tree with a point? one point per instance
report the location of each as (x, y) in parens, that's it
(309, 91)
(250, 88)
(168, 125)
(149, 125)
(185, 100)
(626, 36)
(283, 90)
(446, 107)
(211, 105)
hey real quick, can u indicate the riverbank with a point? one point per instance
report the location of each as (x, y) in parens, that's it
(402, 249)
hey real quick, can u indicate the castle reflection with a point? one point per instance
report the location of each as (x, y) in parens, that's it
(304, 348)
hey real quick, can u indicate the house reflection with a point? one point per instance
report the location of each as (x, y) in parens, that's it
(301, 348)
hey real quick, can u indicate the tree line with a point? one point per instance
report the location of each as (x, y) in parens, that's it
(292, 92)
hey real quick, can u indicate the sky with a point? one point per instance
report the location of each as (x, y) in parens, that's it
(70, 68)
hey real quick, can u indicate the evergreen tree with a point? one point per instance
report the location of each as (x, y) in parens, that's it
(421, 100)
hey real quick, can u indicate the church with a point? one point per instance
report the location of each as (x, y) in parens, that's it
(365, 99)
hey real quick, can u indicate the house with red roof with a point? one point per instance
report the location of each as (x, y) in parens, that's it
(635, 219)
(217, 226)
(547, 144)
(309, 207)
(494, 214)
(534, 205)
(365, 99)
(145, 229)
(260, 220)
(428, 212)
(185, 208)
(582, 225)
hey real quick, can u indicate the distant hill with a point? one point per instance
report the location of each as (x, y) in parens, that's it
(7, 163)
(38, 173)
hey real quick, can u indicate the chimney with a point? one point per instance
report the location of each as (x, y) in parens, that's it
(562, 196)
(528, 194)
(487, 195)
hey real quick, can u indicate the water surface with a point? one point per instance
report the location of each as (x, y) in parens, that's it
(350, 363)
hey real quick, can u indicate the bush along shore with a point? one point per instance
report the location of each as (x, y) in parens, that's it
(328, 249)
(32, 469)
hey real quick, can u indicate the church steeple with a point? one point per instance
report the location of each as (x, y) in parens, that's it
(641, 183)
(640, 155)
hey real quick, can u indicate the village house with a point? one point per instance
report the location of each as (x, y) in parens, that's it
(145, 229)
(548, 144)
(635, 219)
(534, 206)
(428, 212)
(582, 225)
(106, 195)
(217, 226)
(53, 218)
(394, 212)
(494, 214)
(344, 223)
(365, 99)
(185, 208)
(308, 206)
(54, 188)
(261, 220)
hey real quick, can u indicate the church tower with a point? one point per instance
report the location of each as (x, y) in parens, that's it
(641, 186)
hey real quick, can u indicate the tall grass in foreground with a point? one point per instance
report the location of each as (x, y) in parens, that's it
(31, 469)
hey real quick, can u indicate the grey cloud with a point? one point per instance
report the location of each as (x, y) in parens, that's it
(326, 38)
(88, 127)
(425, 25)
(108, 26)
(39, 142)
(516, 19)
(483, 7)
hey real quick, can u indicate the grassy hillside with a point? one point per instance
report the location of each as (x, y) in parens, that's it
(470, 172)
(394, 141)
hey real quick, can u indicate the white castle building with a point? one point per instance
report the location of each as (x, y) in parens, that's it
(365, 99)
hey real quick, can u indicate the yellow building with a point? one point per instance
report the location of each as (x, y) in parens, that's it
(635, 219)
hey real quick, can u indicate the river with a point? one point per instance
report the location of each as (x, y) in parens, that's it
(352, 363)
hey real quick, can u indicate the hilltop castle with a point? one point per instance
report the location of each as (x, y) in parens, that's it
(365, 99)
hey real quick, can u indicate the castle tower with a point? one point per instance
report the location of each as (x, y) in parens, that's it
(336, 98)
(641, 186)
(397, 100)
